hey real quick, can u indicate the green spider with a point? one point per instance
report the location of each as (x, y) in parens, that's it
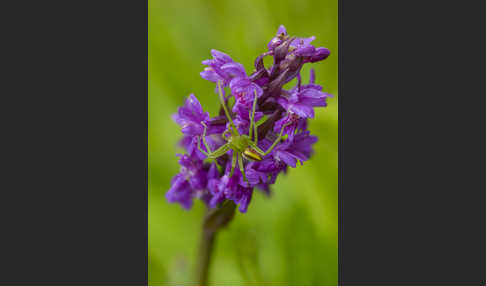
(242, 145)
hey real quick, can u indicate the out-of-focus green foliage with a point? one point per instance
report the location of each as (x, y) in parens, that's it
(288, 239)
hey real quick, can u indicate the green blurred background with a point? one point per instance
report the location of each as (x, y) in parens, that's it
(288, 239)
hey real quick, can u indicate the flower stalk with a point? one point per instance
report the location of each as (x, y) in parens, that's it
(214, 220)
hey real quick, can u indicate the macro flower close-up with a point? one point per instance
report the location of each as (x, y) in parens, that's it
(243, 141)
(262, 112)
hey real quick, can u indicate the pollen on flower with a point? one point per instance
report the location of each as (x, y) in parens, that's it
(285, 115)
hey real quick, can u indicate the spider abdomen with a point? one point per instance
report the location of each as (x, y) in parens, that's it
(249, 154)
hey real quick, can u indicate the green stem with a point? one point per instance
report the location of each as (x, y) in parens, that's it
(214, 220)
(205, 250)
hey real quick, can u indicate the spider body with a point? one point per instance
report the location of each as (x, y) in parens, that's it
(243, 145)
(239, 143)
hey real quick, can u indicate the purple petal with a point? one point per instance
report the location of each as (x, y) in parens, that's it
(311, 92)
(194, 104)
(216, 199)
(199, 180)
(220, 56)
(192, 129)
(287, 158)
(213, 172)
(319, 55)
(209, 75)
(283, 102)
(233, 69)
(302, 110)
(305, 51)
(312, 76)
(314, 101)
(245, 201)
(180, 192)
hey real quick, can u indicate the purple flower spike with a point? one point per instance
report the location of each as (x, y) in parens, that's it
(279, 109)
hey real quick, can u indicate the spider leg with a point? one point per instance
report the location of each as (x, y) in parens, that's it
(256, 148)
(233, 126)
(204, 137)
(233, 163)
(256, 133)
(252, 117)
(219, 152)
(263, 153)
(199, 146)
(242, 169)
(213, 155)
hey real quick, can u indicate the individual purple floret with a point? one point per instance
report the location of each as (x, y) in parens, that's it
(229, 155)
(299, 148)
(298, 46)
(190, 116)
(231, 188)
(221, 68)
(190, 182)
(301, 100)
(244, 90)
(277, 40)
